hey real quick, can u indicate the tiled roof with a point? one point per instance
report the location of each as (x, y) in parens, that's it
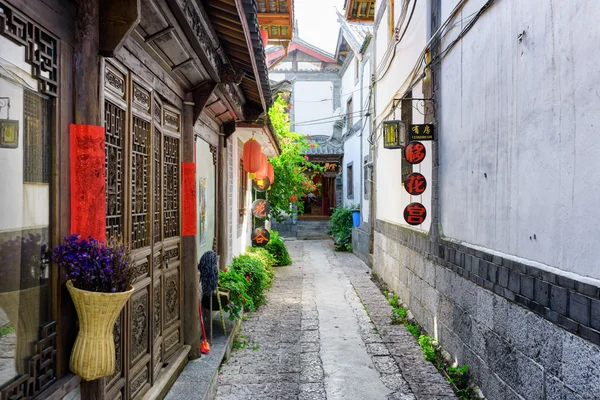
(325, 145)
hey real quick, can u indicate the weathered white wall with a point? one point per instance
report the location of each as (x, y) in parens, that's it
(391, 196)
(313, 100)
(240, 241)
(352, 155)
(205, 169)
(519, 146)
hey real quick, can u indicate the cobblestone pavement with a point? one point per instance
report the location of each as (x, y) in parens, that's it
(315, 340)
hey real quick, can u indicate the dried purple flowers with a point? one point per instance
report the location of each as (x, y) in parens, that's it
(93, 266)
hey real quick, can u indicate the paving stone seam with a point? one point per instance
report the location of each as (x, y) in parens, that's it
(414, 371)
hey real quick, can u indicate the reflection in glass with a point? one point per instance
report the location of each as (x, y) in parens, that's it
(25, 295)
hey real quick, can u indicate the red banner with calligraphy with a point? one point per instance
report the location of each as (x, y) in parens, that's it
(88, 186)
(188, 198)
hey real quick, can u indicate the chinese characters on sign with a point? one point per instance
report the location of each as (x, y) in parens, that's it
(415, 184)
(260, 209)
(420, 132)
(415, 152)
(415, 214)
(260, 237)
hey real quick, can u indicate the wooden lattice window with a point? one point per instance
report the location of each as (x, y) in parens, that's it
(37, 128)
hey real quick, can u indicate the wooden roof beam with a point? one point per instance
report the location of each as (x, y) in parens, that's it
(274, 19)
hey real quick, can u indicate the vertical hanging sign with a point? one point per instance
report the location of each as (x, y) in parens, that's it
(415, 184)
(188, 198)
(88, 186)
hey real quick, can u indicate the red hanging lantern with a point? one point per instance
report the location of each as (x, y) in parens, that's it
(264, 34)
(270, 172)
(252, 156)
(262, 172)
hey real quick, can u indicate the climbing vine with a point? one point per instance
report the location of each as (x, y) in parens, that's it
(293, 171)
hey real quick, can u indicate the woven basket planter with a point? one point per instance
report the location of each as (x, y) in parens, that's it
(93, 354)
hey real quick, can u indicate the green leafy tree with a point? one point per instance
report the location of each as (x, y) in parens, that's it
(293, 171)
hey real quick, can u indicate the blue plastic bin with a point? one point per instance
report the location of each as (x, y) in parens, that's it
(356, 218)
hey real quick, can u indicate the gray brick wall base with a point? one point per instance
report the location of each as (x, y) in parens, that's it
(360, 245)
(513, 351)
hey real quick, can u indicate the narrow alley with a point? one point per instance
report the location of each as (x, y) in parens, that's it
(326, 333)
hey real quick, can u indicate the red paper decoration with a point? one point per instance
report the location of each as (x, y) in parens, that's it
(88, 186)
(252, 156)
(262, 172)
(270, 173)
(188, 198)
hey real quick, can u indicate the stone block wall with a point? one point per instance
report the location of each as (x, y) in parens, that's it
(524, 332)
(360, 244)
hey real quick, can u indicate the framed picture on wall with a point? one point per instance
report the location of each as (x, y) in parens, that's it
(202, 210)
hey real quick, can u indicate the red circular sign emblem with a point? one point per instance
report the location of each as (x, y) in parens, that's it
(260, 237)
(415, 214)
(415, 152)
(415, 184)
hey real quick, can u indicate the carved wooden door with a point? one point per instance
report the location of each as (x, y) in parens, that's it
(142, 177)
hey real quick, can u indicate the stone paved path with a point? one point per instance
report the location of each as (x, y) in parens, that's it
(315, 340)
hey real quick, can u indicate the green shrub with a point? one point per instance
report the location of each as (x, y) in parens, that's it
(266, 258)
(276, 247)
(412, 328)
(246, 279)
(237, 285)
(426, 343)
(341, 228)
(254, 271)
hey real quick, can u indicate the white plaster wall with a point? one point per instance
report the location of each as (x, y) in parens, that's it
(239, 242)
(391, 197)
(205, 169)
(519, 146)
(352, 154)
(313, 100)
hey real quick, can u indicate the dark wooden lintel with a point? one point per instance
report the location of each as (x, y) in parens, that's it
(201, 94)
(118, 18)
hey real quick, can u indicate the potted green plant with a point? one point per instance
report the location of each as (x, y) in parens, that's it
(100, 283)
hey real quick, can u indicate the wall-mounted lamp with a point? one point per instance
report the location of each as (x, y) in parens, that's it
(394, 134)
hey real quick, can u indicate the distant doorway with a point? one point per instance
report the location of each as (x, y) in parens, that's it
(318, 205)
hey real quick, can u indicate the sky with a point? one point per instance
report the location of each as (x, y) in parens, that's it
(317, 22)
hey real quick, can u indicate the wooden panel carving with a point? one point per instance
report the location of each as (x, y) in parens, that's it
(41, 47)
(139, 325)
(172, 254)
(157, 308)
(114, 123)
(137, 383)
(171, 297)
(117, 336)
(41, 369)
(199, 25)
(171, 187)
(171, 341)
(213, 150)
(141, 268)
(114, 81)
(140, 153)
(172, 120)
(157, 262)
(141, 97)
